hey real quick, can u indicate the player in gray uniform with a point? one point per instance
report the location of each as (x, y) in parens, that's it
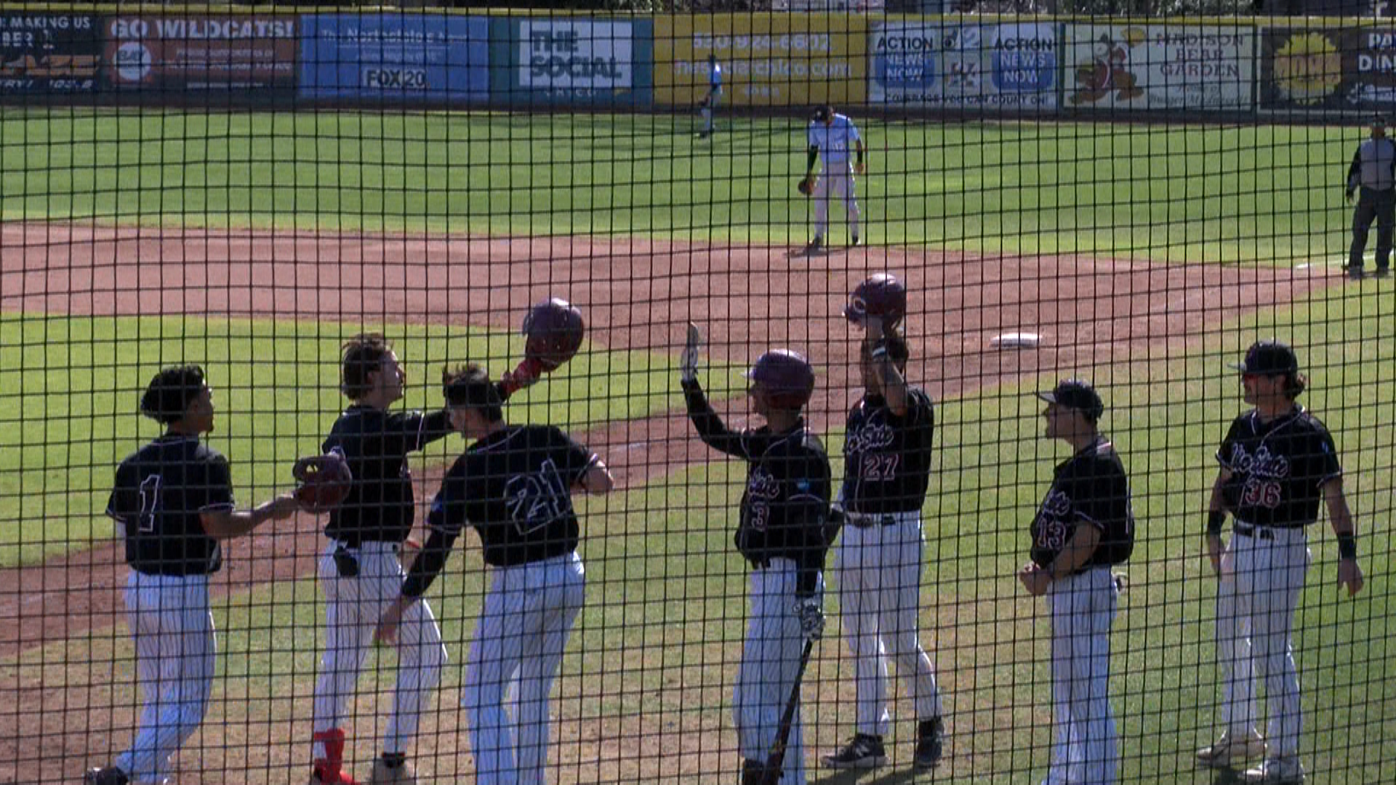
(784, 534)
(1084, 525)
(1373, 171)
(878, 562)
(1277, 463)
(173, 503)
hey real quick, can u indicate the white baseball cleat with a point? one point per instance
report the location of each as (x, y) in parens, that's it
(1276, 771)
(1230, 750)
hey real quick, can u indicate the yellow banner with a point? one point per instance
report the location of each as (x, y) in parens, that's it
(766, 59)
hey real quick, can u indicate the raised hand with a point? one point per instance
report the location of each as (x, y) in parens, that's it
(688, 361)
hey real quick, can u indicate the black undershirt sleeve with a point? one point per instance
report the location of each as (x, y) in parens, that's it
(813, 157)
(429, 563)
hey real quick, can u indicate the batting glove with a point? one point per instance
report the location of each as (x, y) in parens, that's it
(688, 361)
(811, 617)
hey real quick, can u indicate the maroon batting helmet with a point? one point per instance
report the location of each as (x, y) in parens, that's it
(882, 295)
(786, 376)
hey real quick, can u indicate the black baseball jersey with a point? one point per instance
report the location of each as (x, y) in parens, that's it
(1278, 468)
(1088, 489)
(375, 443)
(514, 487)
(785, 508)
(160, 491)
(887, 459)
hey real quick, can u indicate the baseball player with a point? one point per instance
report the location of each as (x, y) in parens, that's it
(360, 573)
(1373, 170)
(784, 534)
(1277, 463)
(1085, 525)
(832, 135)
(887, 455)
(173, 503)
(712, 98)
(513, 486)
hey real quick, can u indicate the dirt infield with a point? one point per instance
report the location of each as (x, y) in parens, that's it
(637, 294)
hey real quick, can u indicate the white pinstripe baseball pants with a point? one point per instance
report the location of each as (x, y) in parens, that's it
(353, 607)
(1262, 578)
(518, 645)
(1083, 609)
(172, 628)
(770, 660)
(879, 576)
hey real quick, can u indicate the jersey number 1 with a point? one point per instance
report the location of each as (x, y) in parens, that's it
(150, 503)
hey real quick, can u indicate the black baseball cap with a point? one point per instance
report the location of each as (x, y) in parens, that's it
(823, 113)
(1076, 394)
(1268, 358)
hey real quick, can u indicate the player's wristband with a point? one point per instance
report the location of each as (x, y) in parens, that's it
(1215, 519)
(1347, 546)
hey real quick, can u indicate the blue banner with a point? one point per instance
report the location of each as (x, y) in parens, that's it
(406, 58)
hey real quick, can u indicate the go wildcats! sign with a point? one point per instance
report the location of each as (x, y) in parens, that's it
(201, 53)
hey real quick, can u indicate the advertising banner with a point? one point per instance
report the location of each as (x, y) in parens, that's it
(766, 59)
(573, 60)
(49, 53)
(1146, 66)
(1328, 69)
(395, 57)
(192, 53)
(951, 66)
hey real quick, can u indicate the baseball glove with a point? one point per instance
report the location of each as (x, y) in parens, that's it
(806, 185)
(322, 482)
(553, 330)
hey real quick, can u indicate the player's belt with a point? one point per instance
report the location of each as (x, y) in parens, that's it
(864, 521)
(1247, 530)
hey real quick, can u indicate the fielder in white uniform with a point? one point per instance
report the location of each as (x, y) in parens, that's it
(713, 98)
(173, 502)
(1277, 463)
(878, 560)
(1085, 525)
(835, 138)
(513, 485)
(784, 534)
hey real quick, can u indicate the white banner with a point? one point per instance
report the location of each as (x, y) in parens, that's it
(1159, 67)
(564, 55)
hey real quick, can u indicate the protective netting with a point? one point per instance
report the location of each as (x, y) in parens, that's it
(590, 540)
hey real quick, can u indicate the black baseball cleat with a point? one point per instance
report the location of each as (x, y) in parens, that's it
(1382, 272)
(855, 242)
(864, 751)
(704, 134)
(106, 775)
(930, 743)
(815, 244)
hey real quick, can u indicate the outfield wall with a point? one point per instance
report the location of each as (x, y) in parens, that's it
(1283, 68)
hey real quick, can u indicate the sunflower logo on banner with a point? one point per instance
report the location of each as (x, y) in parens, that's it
(1308, 68)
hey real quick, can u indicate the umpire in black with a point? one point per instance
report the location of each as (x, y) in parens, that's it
(1373, 172)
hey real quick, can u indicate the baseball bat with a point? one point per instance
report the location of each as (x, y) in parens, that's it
(776, 760)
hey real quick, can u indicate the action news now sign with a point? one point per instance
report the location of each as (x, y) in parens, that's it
(49, 53)
(991, 66)
(241, 52)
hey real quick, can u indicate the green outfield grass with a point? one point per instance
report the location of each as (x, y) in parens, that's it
(651, 665)
(71, 415)
(1269, 194)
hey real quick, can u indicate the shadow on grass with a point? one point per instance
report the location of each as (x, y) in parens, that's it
(868, 777)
